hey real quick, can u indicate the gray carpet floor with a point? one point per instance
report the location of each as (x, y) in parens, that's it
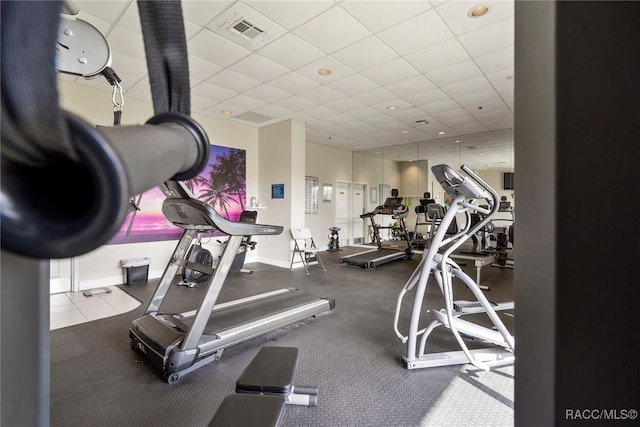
(350, 353)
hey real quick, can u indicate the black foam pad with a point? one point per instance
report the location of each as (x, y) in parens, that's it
(271, 371)
(244, 410)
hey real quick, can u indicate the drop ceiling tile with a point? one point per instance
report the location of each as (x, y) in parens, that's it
(447, 116)
(291, 14)
(343, 105)
(506, 92)
(499, 60)
(233, 81)
(291, 51)
(375, 96)
(319, 111)
(365, 54)
(200, 69)
(417, 33)
(499, 124)
(502, 78)
(391, 72)
(352, 85)
(467, 87)
(454, 73)
(400, 105)
(199, 103)
(202, 12)
(355, 125)
(377, 119)
(217, 109)
(104, 9)
(440, 106)
(410, 86)
(497, 36)
(245, 102)
(267, 93)
(141, 90)
(456, 14)
(272, 110)
(259, 68)
(126, 42)
(321, 95)
(295, 103)
(480, 99)
(472, 128)
(379, 15)
(339, 70)
(409, 114)
(213, 48)
(190, 30)
(363, 113)
(441, 55)
(332, 30)
(102, 25)
(293, 83)
(215, 93)
(427, 97)
(130, 20)
(461, 121)
(123, 64)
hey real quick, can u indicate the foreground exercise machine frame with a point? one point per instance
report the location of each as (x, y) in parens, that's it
(176, 347)
(437, 263)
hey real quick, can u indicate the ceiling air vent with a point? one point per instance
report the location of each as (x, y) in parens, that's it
(421, 122)
(246, 29)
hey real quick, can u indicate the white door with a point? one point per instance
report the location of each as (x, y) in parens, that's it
(61, 275)
(359, 200)
(343, 190)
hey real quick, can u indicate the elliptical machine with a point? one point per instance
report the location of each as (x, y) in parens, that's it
(437, 263)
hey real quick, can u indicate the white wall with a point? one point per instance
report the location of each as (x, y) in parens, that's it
(329, 164)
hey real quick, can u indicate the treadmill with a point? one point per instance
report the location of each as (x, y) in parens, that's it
(372, 258)
(179, 343)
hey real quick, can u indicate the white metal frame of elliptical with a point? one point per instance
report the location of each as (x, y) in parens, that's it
(463, 192)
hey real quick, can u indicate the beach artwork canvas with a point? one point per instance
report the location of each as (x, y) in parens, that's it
(222, 184)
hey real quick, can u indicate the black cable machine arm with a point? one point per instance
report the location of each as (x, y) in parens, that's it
(66, 184)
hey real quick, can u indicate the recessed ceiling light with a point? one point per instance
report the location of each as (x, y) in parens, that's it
(477, 11)
(356, 146)
(405, 131)
(511, 77)
(226, 112)
(457, 141)
(441, 132)
(325, 72)
(392, 107)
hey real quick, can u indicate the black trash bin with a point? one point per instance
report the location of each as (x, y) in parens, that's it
(136, 270)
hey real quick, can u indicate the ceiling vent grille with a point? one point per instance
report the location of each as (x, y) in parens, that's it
(421, 122)
(246, 29)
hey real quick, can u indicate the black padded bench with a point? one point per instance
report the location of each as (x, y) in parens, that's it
(265, 386)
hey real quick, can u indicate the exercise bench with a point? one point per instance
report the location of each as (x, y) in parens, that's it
(265, 386)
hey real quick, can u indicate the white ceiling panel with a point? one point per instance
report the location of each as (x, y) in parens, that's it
(490, 38)
(379, 15)
(259, 68)
(416, 33)
(441, 55)
(454, 73)
(428, 57)
(291, 51)
(213, 48)
(365, 54)
(391, 72)
(332, 30)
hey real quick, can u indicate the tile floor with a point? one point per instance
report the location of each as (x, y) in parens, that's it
(72, 308)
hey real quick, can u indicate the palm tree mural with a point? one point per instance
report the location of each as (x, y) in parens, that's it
(222, 185)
